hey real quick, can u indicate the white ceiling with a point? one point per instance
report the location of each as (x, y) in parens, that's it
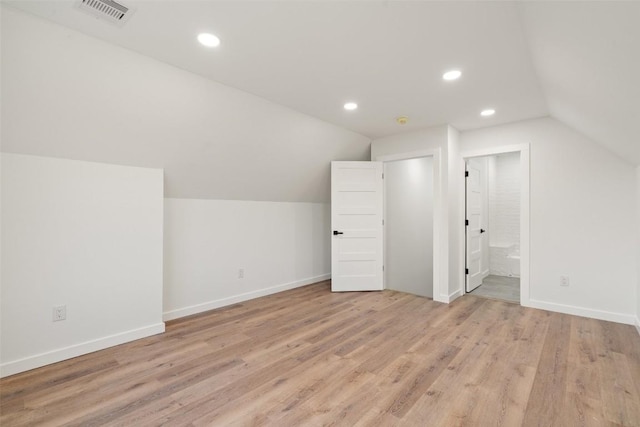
(577, 61)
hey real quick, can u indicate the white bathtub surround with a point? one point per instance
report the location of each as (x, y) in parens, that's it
(498, 260)
(513, 261)
(504, 260)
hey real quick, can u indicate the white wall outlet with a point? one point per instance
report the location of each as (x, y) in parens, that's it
(241, 273)
(564, 281)
(59, 313)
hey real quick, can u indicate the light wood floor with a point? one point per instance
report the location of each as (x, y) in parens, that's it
(308, 357)
(499, 287)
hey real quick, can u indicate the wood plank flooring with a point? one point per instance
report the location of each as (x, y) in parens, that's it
(307, 357)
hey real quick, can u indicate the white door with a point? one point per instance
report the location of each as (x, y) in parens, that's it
(356, 224)
(475, 222)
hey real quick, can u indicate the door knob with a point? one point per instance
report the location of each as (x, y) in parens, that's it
(336, 232)
(482, 231)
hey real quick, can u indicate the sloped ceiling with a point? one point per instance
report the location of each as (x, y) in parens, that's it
(587, 58)
(577, 61)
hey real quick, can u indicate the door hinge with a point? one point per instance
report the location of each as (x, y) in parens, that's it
(383, 268)
(466, 174)
(383, 222)
(466, 271)
(382, 175)
(466, 222)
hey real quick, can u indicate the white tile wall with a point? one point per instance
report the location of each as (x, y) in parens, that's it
(504, 208)
(504, 199)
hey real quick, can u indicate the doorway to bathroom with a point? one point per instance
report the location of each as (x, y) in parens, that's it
(492, 226)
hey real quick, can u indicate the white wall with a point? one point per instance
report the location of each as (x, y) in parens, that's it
(279, 246)
(85, 235)
(76, 97)
(409, 226)
(581, 210)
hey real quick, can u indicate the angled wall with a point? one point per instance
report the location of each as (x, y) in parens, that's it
(68, 95)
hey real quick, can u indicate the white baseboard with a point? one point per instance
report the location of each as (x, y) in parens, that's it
(627, 319)
(222, 302)
(638, 325)
(32, 362)
(449, 298)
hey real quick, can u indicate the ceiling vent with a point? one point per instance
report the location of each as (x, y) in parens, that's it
(107, 10)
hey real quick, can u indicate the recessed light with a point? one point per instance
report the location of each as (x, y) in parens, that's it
(488, 112)
(452, 75)
(350, 106)
(208, 40)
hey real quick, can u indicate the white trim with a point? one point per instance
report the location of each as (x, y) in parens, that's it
(490, 151)
(628, 319)
(638, 325)
(407, 155)
(438, 216)
(525, 186)
(210, 305)
(455, 295)
(32, 362)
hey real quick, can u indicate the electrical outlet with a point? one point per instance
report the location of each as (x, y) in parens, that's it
(564, 281)
(59, 313)
(241, 273)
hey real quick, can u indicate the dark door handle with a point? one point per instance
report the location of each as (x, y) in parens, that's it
(482, 231)
(336, 232)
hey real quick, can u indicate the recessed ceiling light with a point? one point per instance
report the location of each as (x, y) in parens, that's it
(350, 106)
(208, 40)
(452, 75)
(488, 112)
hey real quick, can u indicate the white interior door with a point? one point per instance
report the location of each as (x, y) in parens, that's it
(475, 232)
(356, 223)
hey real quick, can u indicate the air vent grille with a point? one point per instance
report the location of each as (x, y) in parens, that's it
(107, 10)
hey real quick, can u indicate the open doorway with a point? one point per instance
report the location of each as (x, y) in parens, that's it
(409, 240)
(493, 223)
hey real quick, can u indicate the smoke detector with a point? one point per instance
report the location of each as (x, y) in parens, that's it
(106, 10)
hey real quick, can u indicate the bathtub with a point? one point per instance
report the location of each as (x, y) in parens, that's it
(513, 261)
(504, 260)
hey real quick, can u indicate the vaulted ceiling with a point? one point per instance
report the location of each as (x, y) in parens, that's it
(576, 61)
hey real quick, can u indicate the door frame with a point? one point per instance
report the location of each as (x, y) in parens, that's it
(440, 262)
(523, 149)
